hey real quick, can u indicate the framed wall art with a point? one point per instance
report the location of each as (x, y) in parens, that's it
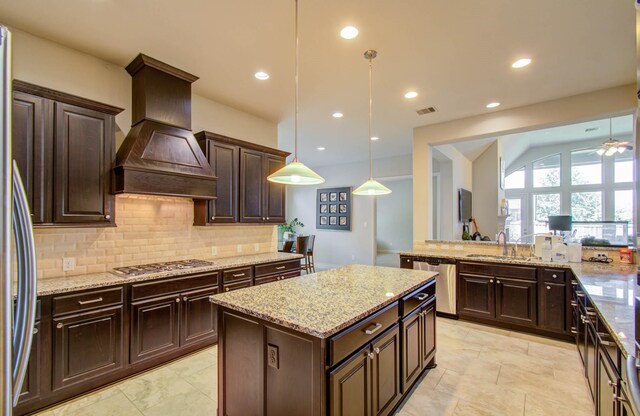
(333, 209)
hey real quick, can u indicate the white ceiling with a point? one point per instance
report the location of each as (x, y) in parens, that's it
(456, 54)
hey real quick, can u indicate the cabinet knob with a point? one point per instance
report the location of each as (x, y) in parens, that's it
(213, 218)
(376, 350)
(108, 217)
(35, 331)
(177, 300)
(226, 289)
(59, 325)
(371, 355)
(267, 218)
(554, 276)
(184, 298)
(491, 281)
(498, 281)
(262, 218)
(548, 287)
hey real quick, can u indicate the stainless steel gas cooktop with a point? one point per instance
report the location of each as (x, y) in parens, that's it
(139, 270)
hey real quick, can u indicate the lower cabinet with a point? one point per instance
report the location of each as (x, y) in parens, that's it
(154, 327)
(476, 295)
(350, 386)
(418, 343)
(608, 383)
(32, 380)
(87, 345)
(516, 301)
(385, 374)
(553, 307)
(199, 317)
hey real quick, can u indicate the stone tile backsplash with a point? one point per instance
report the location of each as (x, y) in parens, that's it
(149, 229)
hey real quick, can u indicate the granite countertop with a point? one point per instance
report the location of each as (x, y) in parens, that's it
(324, 303)
(64, 284)
(610, 287)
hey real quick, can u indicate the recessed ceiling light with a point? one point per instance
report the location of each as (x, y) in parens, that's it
(337, 115)
(374, 138)
(493, 105)
(411, 94)
(320, 148)
(349, 32)
(521, 63)
(261, 75)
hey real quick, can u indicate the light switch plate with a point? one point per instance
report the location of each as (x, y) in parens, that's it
(273, 358)
(68, 264)
(214, 250)
(239, 248)
(256, 247)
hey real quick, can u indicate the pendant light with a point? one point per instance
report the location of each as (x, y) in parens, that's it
(296, 173)
(371, 187)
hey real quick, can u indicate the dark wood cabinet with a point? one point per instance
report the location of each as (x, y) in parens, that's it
(86, 346)
(476, 295)
(608, 384)
(252, 186)
(591, 358)
(31, 149)
(199, 317)
(83, 147)
(350, 386)
(155, 327)
(406, 262)
(553, 307)
(385, 373)
(516, 300)
(64, 147)
(411, 349)
(274, 193)
(33, 378)
(428, 333)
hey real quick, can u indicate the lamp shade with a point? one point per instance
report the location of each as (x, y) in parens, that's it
(372, 187)
(295, 173)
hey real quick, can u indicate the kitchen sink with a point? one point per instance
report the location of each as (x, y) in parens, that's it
(488, 256)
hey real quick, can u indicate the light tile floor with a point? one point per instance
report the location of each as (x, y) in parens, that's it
(481, 371)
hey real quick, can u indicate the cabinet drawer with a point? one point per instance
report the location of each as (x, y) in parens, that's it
(236, 285)
(173, 285)
(266, 279)
(352, 338)
(237, 274)
(418, 298)
(87, 300)
(490, 269)
(276, 268)
(554, 275)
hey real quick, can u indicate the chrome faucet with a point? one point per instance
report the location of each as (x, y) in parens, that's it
(504, 242)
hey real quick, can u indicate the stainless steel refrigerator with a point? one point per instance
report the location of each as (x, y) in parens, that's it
(18, 262)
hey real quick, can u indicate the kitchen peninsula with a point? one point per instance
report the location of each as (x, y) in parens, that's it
(351, 340)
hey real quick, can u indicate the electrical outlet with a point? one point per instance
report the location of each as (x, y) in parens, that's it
(256, 247)
(68, 264)
(273, 356)
(353, 257)
(239, 248)
(214, 250)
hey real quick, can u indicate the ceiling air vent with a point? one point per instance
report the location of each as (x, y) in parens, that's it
(426, 110)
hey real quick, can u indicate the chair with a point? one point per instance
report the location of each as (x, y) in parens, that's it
(287, 246)
(312, 263)
(302, 247)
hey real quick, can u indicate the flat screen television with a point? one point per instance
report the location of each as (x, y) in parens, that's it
(464, 205)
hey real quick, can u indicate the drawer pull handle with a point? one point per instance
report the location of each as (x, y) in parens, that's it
(373, 328)
(238, 275)
(573, 330)
(422, 296)
(574, 282)
(606, 343)
(591, 313)
(59, 325)
(574, 303)
(87, 302)
(35, 331)
(281, 267)
(579, 294)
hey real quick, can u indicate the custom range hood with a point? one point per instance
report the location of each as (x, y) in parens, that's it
(160, 155)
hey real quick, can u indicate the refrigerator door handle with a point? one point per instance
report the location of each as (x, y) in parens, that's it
(27, 294)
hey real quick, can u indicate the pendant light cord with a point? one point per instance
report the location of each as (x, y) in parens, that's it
(295, 123)
(370, 117)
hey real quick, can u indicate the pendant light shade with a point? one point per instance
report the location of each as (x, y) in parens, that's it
(296, 173)
(371, 187)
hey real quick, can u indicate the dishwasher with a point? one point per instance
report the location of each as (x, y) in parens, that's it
(445, 282)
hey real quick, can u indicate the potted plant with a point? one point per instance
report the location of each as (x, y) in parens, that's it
(288, 230)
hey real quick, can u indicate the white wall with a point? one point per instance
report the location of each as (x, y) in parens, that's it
(394, 217)
(486, 190)
(336, 248)
(55, 66)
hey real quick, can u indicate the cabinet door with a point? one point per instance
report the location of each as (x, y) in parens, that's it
(516, 301)
(251, 186)
(274, 193)
(386, 386)
(32, 381)
(224, 160)
(553, 306)
(411, 349)
(591, 358)
(32, 149)
(199, 317)
(155, 327)
(350, 387)
(477, 295)
(428, 326)
(83, 148)
(86, 346)
(607, 388)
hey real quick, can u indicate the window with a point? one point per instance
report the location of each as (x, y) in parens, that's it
(623, 207)
(515, 180)
(586, 167)
(543, 206)
(623, 170)
(586, 206)
(515, 218)
(546, 172)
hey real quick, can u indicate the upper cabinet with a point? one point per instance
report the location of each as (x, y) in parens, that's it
(64, 147)
(244, 194)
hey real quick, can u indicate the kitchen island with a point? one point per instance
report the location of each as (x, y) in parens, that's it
(351, 340)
